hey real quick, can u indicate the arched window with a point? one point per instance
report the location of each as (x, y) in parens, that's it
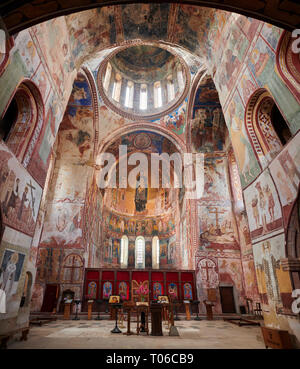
(124, 252)
(117, 87)
(280, 126)
(267, 129)
(107, 76)
(23, 115)
(143, 97)
(155, 252)
(157, 95)
(170, 89)
(129, 95)
(140, 253)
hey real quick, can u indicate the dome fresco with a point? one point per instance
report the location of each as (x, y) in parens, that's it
(149, 69)
(144, 57)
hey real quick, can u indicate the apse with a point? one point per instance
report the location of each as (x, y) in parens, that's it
(143, 214)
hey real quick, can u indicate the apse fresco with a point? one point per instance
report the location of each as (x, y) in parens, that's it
(142, 140)
(139, 226)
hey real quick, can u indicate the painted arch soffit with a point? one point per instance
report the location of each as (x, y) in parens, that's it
(19, 15)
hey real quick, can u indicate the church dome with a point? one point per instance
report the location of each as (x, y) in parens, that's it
(143, 81)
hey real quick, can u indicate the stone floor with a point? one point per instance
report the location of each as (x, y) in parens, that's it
(93, 334)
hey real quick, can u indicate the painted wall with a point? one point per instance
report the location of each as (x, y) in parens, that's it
(50, 55)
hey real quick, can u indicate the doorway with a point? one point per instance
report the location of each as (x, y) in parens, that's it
(50, 298)
(227, 300)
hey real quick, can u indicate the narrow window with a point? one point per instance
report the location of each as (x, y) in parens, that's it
(170, 89)
(117, 87)
(140, 253)
(280, 125)
(155, 252)
(124, 252)
(107, 77)
(180, 78)
(143, 97)
(129, 95)
(157, 95)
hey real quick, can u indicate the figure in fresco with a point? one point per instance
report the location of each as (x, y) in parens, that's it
(255, 211)
(141, 196)
(12, 194)
(262, 206)
(23, 201)
(259, 60)
(9, 273)
(284, 188)
(271, 202)
(270, 267)
(290, 168)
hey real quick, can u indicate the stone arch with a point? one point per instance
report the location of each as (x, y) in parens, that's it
(263, 135)
(288, 64)
(22, 120)
(292, 262)
(18, 16)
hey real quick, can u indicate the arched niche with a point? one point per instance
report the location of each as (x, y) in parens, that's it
(155, 252)
(124, 252)
(140, 252)
(288, 64)
(22, 121)
(267, 129)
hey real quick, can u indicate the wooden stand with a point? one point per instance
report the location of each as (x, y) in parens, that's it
(156, 321)
(128, 309)
(187, 310)
(276, 338)
(67, 310)
(209, 312)
(142, 309)
(90, 309)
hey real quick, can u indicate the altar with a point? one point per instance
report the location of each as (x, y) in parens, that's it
(132, 285)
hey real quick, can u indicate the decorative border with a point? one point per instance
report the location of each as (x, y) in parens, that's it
(133, 116)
